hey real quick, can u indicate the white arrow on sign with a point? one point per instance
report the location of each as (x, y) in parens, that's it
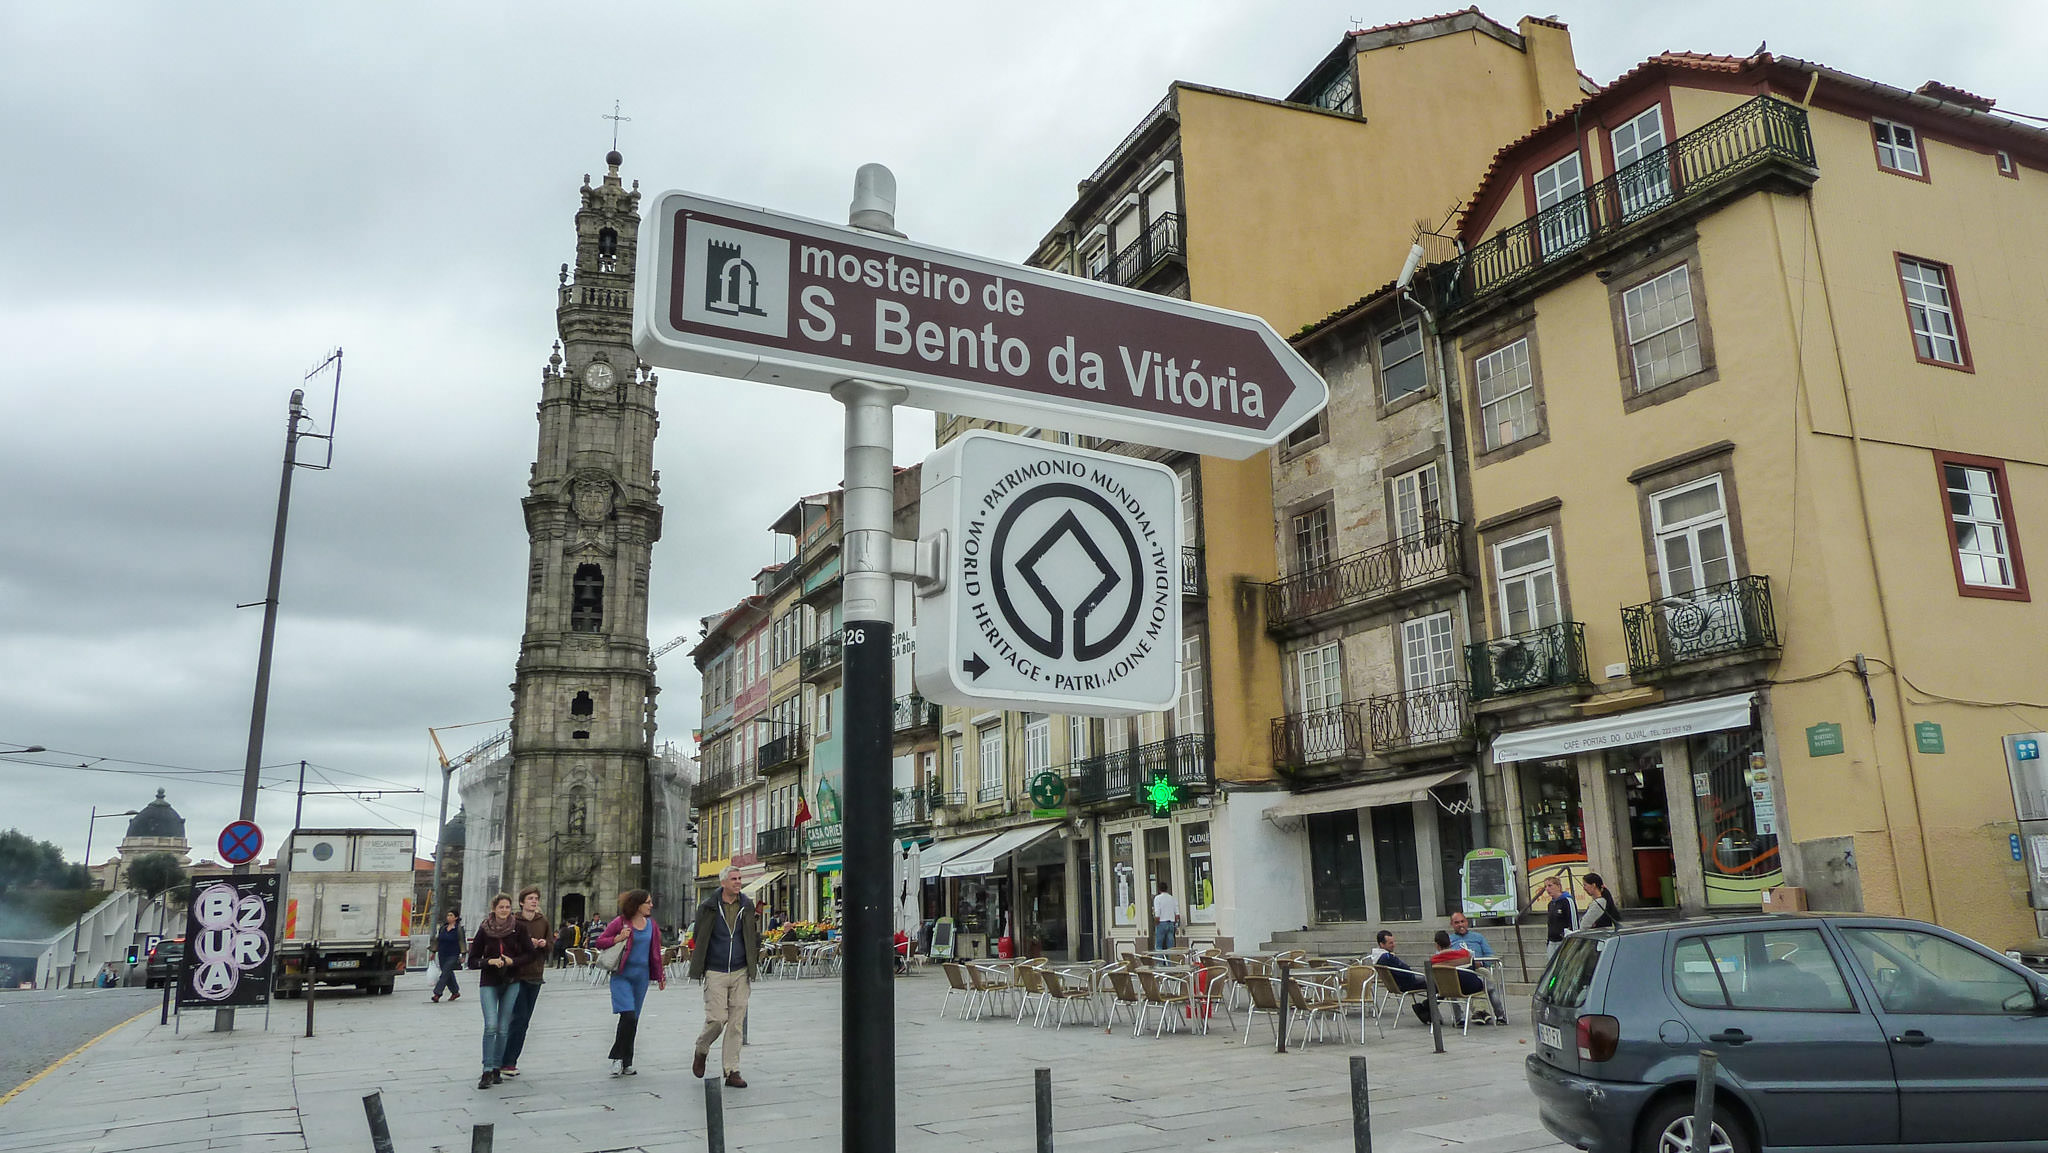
(742, 292)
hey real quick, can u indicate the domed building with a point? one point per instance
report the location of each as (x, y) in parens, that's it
(155, 828)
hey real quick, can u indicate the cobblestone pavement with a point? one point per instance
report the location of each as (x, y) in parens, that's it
(961, 1084)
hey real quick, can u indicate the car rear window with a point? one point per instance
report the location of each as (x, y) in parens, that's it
(1570, 973)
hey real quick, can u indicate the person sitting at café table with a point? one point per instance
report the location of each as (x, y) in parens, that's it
(1406, 979)
(1449, 953)
(1464, 936)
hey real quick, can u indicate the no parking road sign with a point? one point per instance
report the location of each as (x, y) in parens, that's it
(1061, 586)
(240, 842)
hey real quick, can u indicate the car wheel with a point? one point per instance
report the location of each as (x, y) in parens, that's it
(1669, 1129)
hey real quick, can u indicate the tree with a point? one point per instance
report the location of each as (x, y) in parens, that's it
(152, 873)
(26, 862)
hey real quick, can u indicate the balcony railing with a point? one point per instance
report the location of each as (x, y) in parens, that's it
(1431, 716)
(1319, 736)
(1717, 620)
(1160, 241)
(775, 842)
(1409, 563)
(820, 658)
(990, 794)
(1194, 581)
(787, 749)
(913, 808)
(956, 799)
(715, 784)
(1762, 130)
(913, 712)
(1188, 760)
(1545, 658)
(821, 835)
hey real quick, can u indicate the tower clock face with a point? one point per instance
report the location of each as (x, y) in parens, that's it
(598, 377)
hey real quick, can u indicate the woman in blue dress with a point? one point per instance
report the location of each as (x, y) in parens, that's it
(640, 964)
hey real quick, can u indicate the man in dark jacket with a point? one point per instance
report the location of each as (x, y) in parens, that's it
(727, 949)
(448, 949)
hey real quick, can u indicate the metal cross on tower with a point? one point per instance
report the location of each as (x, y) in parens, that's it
(616, 120)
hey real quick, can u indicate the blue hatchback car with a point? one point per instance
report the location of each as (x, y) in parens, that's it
(1831, 1031)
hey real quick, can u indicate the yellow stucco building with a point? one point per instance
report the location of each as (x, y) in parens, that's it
(1751, 400)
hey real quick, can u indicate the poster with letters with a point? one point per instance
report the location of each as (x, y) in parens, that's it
(230, 938)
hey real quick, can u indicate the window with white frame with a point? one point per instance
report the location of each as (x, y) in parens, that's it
(956, 761)
(1975, 508)
(1663, 332)
(1418, 502)
(1643, 186)
(1565, 229)
(1526, 571)
(1160, 196)
(1037, 745)
(1898, 147)
(1095, 259)
(1426, 651)
(1930, 308)
(1401, 364)
(1079, 746)
(1188, 710)
(1507, 394)
(1190, 510)
(1319, 672)
(1691, 527)
(1312, 539)
(990, 739)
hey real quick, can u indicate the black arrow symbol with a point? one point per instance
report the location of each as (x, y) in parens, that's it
(975, 665)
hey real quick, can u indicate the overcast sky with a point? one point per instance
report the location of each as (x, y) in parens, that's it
(204, 199)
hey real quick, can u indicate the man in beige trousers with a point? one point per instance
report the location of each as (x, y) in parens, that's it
(727, 949)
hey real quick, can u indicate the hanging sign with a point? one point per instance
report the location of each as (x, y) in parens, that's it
(741, 292)
(1060, 586)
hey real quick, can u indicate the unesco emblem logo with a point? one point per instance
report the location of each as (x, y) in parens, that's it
(1092, 596)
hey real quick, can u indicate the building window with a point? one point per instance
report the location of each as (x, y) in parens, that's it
(991, 740)
(1340, 94)
(2005, 165)
(1188, 710)
(1418, 502)
(1691, 527)
(1898, 148)
(1931, 311)
(1663, 333)
(957, 760)
(1312, 539)
(1566, 228)
(1980, 528)
(1321, 677)
(1526, 570)
(586, 604)
(1310, 432)
(1037, 744)
(1095, 260)
(1079, 747)
(1401, 364)
(1643, 186)
(1426, 651)
(1507, 394)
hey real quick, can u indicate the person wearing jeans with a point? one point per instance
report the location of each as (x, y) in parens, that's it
(498, 950)
(727, 936)
(1165, 911)
(529, 977)
(448, 958)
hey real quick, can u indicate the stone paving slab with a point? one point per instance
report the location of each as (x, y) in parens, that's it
(961, 1084)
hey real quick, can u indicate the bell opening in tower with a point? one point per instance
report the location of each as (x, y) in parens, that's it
(586, 604)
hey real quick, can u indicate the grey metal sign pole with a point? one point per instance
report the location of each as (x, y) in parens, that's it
(868, 596)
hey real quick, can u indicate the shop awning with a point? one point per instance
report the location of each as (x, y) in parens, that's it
(935, 855)
(1378, 793)
(828, 865)
(981, 860)
(1639, 727)
(761, 882)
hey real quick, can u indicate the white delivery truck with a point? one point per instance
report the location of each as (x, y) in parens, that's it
(348, 909)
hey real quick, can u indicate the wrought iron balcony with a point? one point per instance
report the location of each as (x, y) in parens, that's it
(1120, 778)
(1432, 716)
(1752, 136)
(788, 749)
(820, 658)
(1194, 581)
(1718, 620)
(1409, 564)
(913, 808)
(1546, 658)
(775, 842)
(1161, 242)
(956, 799)
(1319, 737)
(913, 712)
(821, 835)
(991, 794)
(716, 784)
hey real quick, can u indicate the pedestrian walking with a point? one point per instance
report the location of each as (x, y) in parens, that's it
(1165, 911)
(528, 976)
(640, 964)
(448, 957)
(497, 951)
(728, 950)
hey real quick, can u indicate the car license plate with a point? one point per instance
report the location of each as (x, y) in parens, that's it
(355, 964)
(1551, 1036)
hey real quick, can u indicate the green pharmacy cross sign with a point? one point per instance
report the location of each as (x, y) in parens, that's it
(1048, 791)
(1162, 794)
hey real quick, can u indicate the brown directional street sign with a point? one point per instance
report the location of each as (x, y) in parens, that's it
(735, 291)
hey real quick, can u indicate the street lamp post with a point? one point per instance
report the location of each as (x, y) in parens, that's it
(92, 822)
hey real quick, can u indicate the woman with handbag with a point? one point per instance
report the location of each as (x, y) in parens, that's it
(498, 949)
(630, 947)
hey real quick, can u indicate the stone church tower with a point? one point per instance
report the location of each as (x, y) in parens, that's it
(578, 797)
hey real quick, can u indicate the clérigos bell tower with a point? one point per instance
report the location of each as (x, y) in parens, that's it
(578, 804)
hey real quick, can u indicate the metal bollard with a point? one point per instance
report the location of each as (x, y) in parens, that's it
(480, 1138)
(1703, 1102)
(1286, 1002)
(164, 1018)
(307, 993)
(1436, 1025)
(714, 1114)
(380, 1130)
(1042, 1090)
(1361, 1109)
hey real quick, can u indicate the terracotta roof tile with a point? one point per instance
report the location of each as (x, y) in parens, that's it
(1473, 11)
(1954, 95)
